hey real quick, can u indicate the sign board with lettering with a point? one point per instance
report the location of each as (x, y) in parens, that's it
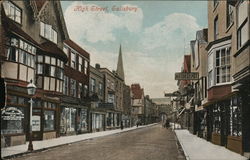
(186, 76)
(36, 123)
(12, 114)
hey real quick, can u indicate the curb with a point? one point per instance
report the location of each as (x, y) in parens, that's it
(47, 148)
(182, 146)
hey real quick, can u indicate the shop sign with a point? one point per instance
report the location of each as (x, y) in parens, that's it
(12, 114)
(36, 123)
(187, 76)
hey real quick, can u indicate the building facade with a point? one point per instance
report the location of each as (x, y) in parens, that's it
(228, 71)
(96, 94)
(199, 65)
(138, 109)
(33, 43)
(73, 107)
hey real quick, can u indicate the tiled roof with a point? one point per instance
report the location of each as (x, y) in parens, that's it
(76, 47)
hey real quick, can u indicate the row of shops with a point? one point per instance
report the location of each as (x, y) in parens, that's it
(51, 119)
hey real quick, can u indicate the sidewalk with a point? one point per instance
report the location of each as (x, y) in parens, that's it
(45, 144)
(196, 148)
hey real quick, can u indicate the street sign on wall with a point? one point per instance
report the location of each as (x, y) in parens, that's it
(186, 76)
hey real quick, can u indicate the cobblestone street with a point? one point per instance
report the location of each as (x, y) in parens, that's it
(153, 143)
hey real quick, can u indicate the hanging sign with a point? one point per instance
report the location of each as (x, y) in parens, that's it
(186, 76)
(36, 123)
(12, 114)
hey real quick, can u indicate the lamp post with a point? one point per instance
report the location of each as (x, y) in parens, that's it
(31, 88)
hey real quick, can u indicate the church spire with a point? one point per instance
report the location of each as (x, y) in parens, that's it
(119, 69)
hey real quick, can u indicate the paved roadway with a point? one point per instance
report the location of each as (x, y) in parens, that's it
(150, 143)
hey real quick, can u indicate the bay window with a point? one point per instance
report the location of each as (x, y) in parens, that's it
(22, 52)
(223, 65)
(12, 11)
(48, 32)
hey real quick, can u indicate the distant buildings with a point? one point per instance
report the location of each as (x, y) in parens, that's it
(138, 109)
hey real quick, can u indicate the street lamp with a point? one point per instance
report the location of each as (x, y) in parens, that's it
(31, 88)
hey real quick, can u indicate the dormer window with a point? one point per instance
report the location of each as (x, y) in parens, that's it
(48, 32)
(12, 11)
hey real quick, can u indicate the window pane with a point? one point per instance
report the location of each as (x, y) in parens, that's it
(39, 69)
(52, 71)
(53, 61)
(47, 59)
(40, 59)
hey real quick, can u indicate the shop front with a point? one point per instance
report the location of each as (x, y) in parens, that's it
(73, 120)
(224, 123)
(113, 120)
(98, 121)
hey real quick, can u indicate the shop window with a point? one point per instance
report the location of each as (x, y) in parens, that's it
(12, 120)
(49, 120)
(83, 126)
(217, 119)
(68, 120)
(12, 11)
(72, 119)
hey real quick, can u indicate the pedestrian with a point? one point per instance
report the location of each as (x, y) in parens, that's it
(121, 125)
(137, 123)
(167, 124)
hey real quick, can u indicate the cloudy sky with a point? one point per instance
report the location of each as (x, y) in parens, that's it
(154, 37)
